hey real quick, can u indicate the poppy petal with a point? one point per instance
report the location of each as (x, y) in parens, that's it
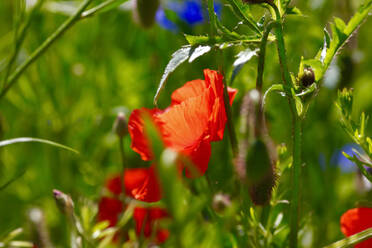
(114, 185)
(200, 158)
(145, 219)
(356, 220)
(188, 90)
(140, 143)
(142, 184)
(185, 124)
(109, 209)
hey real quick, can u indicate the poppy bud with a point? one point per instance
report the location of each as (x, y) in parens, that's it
(221, 202)
(64, 202)
(307, 78)
(144, 12)
(120, 125)
(260, 172)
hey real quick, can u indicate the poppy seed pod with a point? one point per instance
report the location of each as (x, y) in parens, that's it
(260, 172)
(308, 77)
(144, 12)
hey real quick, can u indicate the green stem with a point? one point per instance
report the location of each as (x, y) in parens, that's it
(18, 40)
(212, 17)
(122, 155)
(259, 80)
(94, 10)
(43, 47)
(297, 133)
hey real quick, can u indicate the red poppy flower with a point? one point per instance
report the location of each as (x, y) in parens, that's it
(141, 184)
(146, 218)
(109, 210)
(356, 220)
(195, 118)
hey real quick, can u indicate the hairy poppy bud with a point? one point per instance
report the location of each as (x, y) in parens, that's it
(260, 172)
(144, 12)
(307, 78)
(257, 1)
(120, 125)
(221, 202)
(64, 202)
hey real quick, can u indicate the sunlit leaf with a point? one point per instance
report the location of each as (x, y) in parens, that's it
(178, 58)
(29, 139)
(352, 240)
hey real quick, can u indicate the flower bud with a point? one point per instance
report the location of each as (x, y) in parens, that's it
(144, 12)
(307, 77)
(221, 202)
(64, 202)
(260, 172)
(120, 125)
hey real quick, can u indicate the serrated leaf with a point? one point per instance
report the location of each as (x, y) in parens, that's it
(197, 40)
(342, 31)
(326, 43)
(29, 139)
(199, 51)
(242, 58)
(178, 57)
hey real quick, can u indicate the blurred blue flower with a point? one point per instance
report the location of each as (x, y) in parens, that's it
(340, 160)
(189, 11)
(164, 22)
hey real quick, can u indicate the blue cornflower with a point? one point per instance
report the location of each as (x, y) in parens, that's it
(189, 11)
(340, 160)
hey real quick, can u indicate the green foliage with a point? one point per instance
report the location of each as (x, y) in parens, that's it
(71, 85)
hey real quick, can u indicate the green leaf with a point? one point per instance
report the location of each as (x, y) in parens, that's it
(177, 59)
(298, 103)
(29, 139)
(293, 11)
(242, 58)
(352, 240)
(242, 11)
(274, 87)
(341, 31)
(103, 7)
(221, 40)
(198, 40)
(360, 165)
(199, 51)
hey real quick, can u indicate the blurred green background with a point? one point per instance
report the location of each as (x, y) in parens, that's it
(107, 63)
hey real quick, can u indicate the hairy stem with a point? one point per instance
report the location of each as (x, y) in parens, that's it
(43, 47)
(296, 135)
